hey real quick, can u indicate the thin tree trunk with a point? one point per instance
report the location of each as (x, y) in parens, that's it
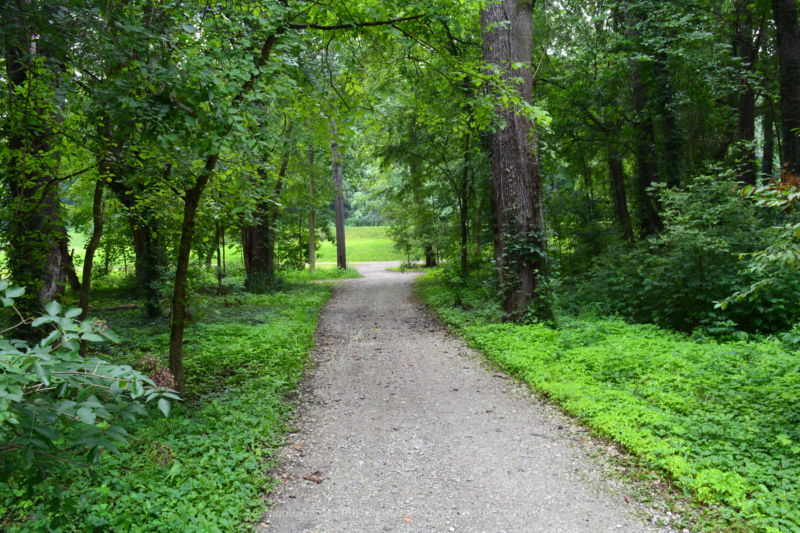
(219, 260)
(620, 198)
(785, 13)
(88, 261)
(768, 158)
(312, 240)
(336, 167)
(191, 200)
(463, 205)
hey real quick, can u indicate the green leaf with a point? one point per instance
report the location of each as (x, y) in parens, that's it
(91, 337)
(86, 415)
(3, 285)
(47, 432)
(94, 454)
(164, 406)
(72, 312)
(110, 335)
(189, 28)
(53, 308)
(16, 292)
(7, 302)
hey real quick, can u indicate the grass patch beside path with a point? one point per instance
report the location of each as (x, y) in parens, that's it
(203, 469)
(322, 273)
(363, 244)
(722, 420)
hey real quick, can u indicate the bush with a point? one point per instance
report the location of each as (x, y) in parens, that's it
(674, 279)
(58, 409)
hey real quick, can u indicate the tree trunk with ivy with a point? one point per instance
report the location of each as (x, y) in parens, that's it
(516, 177)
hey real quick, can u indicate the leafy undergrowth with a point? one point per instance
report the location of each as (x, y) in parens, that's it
(720, 419)
(203, 469)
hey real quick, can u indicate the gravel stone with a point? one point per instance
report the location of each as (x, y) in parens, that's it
(409, 433)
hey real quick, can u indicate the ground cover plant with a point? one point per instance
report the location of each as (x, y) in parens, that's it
(203, 468)
(720, 419)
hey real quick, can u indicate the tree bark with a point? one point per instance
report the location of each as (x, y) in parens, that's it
(312, 240)
(88, 261)
(463, 206)
(258, 240)
(788, 40)
(747, 47)
(191, 201)
(36, 256)
(768, 158)
(516, 181)
(620, 198)
(336, 167)
(647, 168)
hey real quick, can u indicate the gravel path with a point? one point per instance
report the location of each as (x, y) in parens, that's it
(405, 431)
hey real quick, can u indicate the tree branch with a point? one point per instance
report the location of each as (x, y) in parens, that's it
(350, 25)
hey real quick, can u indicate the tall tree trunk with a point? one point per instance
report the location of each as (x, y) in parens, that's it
(312, 237)
(336, 167)
(768, 158)
(747, 47)
(620, 198)
(36, 234)
(647, 168)
(785, 13)
(477, 227)
(516, 181)
(463, 208)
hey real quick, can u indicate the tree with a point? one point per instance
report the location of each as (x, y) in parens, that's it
(516, 177)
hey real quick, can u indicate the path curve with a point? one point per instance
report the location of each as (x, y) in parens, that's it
(408, 433)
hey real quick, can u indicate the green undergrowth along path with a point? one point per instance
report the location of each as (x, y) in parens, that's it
(203, 469)
(722, 420)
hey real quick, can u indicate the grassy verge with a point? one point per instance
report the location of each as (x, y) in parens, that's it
(203, 469)
(722, 420)
(322, 273)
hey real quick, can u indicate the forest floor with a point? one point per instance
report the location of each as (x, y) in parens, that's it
(402, 428)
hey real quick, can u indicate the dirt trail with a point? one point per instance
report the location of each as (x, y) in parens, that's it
(408, 433)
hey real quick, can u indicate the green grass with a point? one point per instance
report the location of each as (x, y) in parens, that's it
(363, 244)
(721, 420)
(322, 273)
(204, 468)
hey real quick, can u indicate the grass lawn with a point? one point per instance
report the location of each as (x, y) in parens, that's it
(363, 244)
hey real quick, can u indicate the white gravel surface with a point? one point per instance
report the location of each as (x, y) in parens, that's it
(402, 429)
